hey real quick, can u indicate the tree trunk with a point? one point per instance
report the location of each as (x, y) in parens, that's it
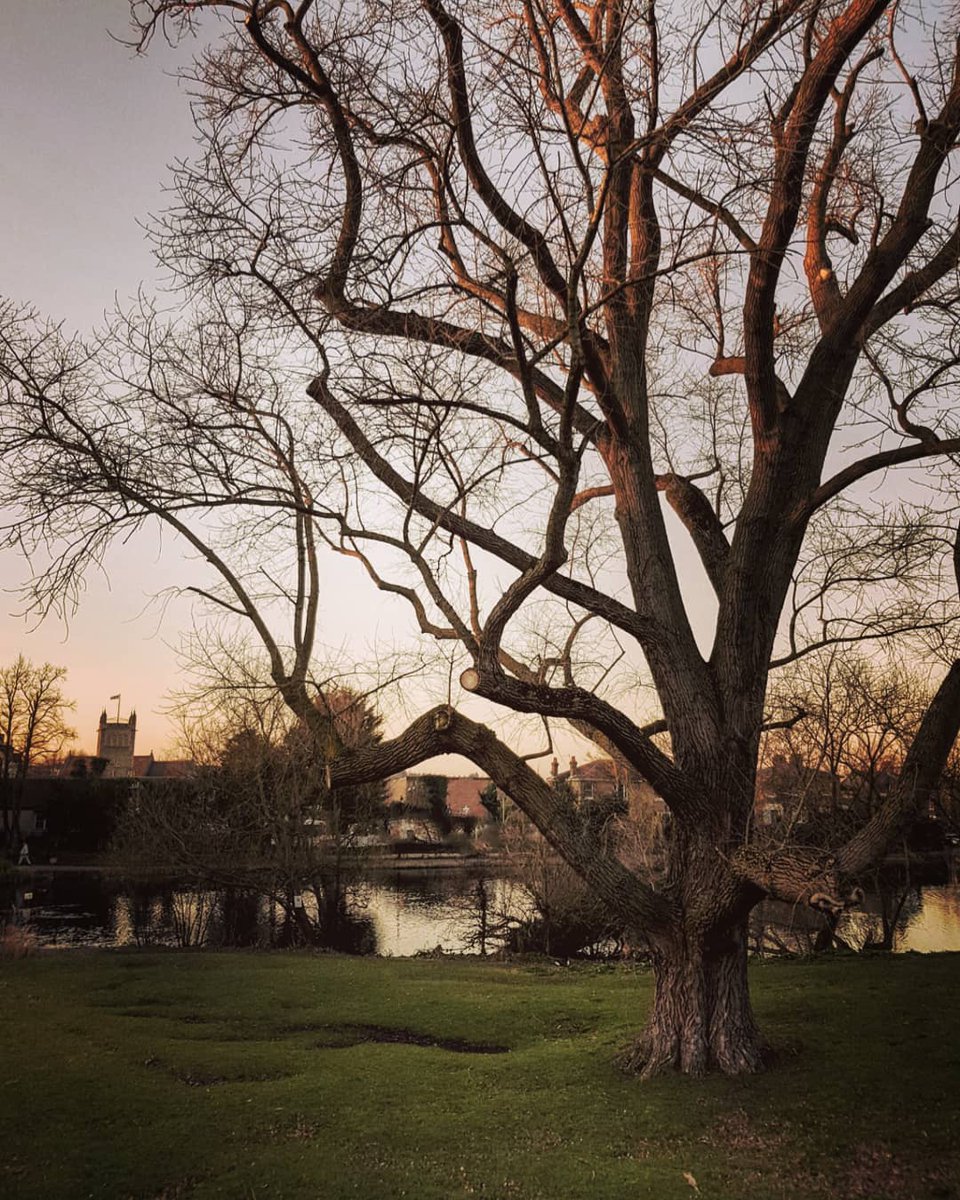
(701, 1018)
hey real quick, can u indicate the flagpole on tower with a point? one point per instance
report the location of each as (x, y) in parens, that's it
(117, 698)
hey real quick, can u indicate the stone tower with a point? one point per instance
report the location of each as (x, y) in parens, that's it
(115, 743)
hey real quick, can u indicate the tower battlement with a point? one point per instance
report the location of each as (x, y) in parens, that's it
(115, 742)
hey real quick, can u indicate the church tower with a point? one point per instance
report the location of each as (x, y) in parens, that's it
(115, 743)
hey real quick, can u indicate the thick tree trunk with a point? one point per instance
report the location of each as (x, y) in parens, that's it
(701, 1018)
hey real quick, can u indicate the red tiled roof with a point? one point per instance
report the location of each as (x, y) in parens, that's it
(463, 798)
(601, 768)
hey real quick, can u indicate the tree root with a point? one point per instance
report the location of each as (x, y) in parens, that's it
(641, 1057)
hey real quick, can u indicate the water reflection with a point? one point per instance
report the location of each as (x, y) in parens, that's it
(936, 925)
(406, 913)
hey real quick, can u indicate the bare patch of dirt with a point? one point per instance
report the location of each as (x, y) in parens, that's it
(343, 1035)
(875, 1173)
(735, 1131)
(302, 1129)
(194, 1078)
(871, 1171)
(179, 1190)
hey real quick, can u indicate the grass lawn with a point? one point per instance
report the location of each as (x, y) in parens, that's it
(194, 1075)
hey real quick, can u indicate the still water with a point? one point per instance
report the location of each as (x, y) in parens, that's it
(399, 914)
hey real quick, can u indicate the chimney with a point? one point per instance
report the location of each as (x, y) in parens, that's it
(573, 765)
(554, 769)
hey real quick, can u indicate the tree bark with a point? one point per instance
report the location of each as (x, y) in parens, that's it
(701, 1019)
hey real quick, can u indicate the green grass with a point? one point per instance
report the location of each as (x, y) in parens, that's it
(194, 1075)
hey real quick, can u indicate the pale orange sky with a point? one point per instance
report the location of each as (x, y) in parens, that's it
(86, 131)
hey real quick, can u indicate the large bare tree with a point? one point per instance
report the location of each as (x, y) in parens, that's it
(474, 293)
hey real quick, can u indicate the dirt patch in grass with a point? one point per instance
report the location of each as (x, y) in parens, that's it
(140, 1006)
(301, 1129)
(875, 1173)
(872, 1172)
(735, 1131)
(179, 1190)
(137, 1013)
(202, 1079)
(198, 1078)
(339, 1036)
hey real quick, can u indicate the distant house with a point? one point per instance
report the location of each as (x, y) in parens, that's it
(596, 780)
(789, 786)
(71, 804)
(408, 813)
(33, 822)
(464, 801)
(71, 814)
(417, 812)
(601, 781)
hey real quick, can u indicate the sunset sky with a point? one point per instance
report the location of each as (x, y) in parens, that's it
(86, 132)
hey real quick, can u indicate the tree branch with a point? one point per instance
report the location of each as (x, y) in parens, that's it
(445, 731)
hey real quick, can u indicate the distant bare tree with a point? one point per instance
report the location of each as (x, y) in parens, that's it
(859, 718)
(33, 729)
(473, 294)
(833, 770)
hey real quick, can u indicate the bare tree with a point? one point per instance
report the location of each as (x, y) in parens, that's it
(481, 291)
(33, 729)
(860, 717)
(832, 771)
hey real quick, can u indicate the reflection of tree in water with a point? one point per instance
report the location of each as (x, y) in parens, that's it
(487, 915)
(236, 917)
(431, 889)
(62, 909)
(887, 913)
(192, 912)
(890, 911)
(144, 913)
(547, 913)
(239, 913)
(323, 920)
(95, 897)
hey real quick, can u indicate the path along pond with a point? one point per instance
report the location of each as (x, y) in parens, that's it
(405, 912)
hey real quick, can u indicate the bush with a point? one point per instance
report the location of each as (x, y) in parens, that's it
(16, 942)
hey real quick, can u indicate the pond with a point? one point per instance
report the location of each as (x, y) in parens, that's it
(402, 913)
